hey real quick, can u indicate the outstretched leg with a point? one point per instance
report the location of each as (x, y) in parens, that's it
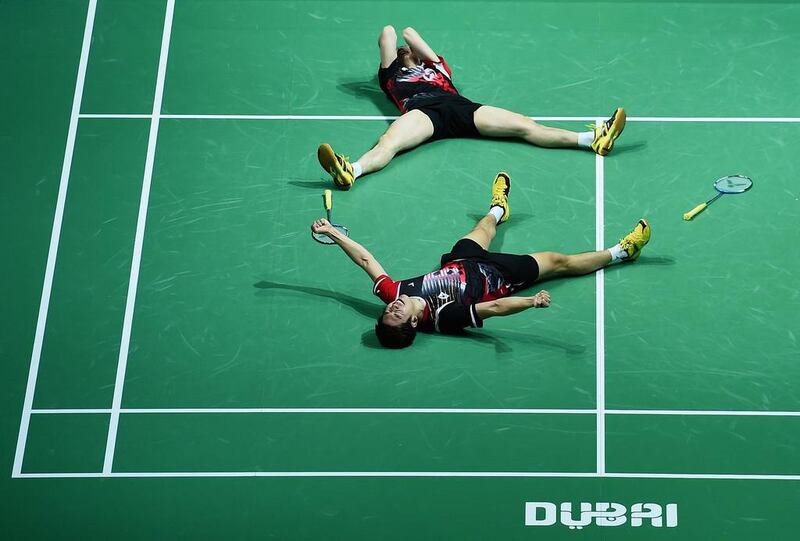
(554, 264)
(496, 122)
(408, 131)
(485, 230)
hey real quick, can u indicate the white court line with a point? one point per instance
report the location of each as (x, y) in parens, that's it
(709, 413)
(138, 241)
(55, 235)
(600, 332)
(183, 411)
(116, 115)
(384, 118)
(71, 411)
(470, 411)
(565, 475)
(788, 119)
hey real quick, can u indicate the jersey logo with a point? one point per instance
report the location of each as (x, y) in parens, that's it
(442, 296)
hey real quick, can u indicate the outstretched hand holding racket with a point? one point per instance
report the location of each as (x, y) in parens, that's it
(325, 226)
(333, 234)
(321, 227)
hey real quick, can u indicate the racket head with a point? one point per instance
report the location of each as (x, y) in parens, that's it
(324, 239)
(733, 184)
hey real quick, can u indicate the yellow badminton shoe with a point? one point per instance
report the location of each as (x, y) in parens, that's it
(606, 133)
(634, 241)
(500, 189)
(337, 166)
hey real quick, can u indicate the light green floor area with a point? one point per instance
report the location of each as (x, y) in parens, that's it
(712, 323)
(658, 59)
(236, 307)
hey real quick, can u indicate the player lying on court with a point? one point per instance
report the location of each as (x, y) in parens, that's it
(472, 283)
(420, 84)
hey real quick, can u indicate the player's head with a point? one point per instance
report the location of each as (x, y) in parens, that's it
(397, 325)
(407, 58)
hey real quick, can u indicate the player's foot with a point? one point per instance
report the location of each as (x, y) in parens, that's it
(634, 241)
(337, 166)
(500, 189)
(606, 133)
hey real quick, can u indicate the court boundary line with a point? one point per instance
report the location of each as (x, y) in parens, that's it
(55, 237)
(600, 326)
(133, 282)
(450, 474)
(191, 411)
(394, 117)
(400, 411)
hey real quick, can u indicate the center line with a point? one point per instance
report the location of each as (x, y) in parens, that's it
(600, 317)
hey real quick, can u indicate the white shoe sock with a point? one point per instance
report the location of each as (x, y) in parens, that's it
(497, 212)
(356, 170)
(585, 139)
(618, 255)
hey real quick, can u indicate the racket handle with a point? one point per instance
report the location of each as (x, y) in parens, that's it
(695, 211)
(327, 199)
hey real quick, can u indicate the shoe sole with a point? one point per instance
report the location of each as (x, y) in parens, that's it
(606, 142)
(507, 213)
(327, 159)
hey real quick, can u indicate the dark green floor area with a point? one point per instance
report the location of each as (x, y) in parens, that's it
(238, 308)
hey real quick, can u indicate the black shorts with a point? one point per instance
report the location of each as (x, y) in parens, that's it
(520, 271)
(452, 116)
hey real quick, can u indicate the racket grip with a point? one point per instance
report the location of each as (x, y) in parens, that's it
(327, 199)
(695, 211)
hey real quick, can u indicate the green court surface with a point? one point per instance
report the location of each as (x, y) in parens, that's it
(180, 361)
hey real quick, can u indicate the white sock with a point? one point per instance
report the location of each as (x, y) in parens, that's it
(497, 212)
(618, 255)
(585, 139)
(356, 170)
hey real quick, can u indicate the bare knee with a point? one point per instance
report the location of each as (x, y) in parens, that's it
(553, 264)
(529, 127)
(561, 262)
(523, 126)
(387, 32)
(387, 143)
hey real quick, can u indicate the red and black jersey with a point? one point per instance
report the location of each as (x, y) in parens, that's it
(450, 293)
(409, 87)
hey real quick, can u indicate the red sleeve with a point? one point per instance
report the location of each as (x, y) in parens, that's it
(386, 288)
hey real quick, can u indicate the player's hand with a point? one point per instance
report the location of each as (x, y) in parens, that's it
(541, 299)
(321, 226)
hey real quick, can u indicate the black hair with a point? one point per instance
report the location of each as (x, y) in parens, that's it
(395, 336)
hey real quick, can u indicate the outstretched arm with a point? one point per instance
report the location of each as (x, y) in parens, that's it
(354, 250)
(387, 42)
(418, 45)
(512, 305)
